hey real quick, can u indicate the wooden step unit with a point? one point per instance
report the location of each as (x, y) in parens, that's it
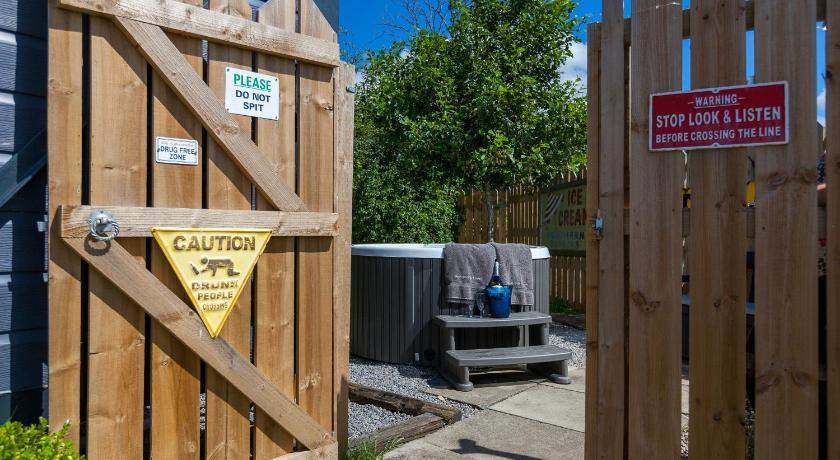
(542, 358)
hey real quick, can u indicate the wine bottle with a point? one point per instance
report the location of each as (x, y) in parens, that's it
(496, 279)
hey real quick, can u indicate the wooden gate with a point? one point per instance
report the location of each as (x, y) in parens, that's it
(131, 366)
(635, 265)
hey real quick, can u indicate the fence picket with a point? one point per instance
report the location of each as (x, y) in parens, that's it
(717, 246)
(175, 369)
(117, 177)
(228, 431)
(274, 278)
(64, 121)
(786, 240)
(655, 241)
(315, 271)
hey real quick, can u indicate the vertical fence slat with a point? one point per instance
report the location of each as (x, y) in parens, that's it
(592, 246)
(117, 177)
(315, 296)
(228, 431)
(64, 121)
(274, 296)
(175, 379)
(717, 246)
(786, 240)
(655, 241)
(611, 314)
(833, 226)
(341, 277)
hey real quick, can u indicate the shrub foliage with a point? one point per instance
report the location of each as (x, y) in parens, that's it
(35, 442)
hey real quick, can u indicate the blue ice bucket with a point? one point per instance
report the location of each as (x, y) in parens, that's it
(499, 299)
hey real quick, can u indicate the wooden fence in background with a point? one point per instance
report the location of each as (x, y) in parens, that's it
(518, 221)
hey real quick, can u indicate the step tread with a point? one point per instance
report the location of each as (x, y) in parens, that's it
(525, 318)
(510, 355)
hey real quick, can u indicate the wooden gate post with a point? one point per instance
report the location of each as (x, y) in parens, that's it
(833, 244)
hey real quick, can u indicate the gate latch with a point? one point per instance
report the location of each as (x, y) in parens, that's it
(103, 227)
(598, 226)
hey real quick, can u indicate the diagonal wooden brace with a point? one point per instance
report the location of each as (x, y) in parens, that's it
(174, 69)
(118, 266)
(195, 21)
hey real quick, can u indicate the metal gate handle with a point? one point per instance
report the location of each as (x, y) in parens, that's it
(101, 223)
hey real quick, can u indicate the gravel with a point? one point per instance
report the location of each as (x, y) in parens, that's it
(568, 337)
(412, 381)
(404, 379)
(367, 418)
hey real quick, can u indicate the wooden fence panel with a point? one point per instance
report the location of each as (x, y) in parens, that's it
(315, 272)
(274, 296)
(786, 243)
(175, 370)
(65, 174)
(117, 177)
(228, 431)
(833, 226)
(656, 181)
(285, 326)
(718, 248)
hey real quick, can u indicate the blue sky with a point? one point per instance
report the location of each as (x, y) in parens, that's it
(363, 21)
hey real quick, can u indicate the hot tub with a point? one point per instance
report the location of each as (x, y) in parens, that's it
(395, 293)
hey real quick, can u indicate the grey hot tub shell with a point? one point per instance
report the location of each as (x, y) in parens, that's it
(396, 292)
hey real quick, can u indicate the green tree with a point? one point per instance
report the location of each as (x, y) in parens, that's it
(479, 104)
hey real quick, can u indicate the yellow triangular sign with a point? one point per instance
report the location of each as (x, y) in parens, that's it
(214, 265)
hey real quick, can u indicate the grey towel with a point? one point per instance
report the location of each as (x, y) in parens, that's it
(517, 271)
(467, 270)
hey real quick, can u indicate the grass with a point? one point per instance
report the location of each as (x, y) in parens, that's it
(559, 305)
(371, 450)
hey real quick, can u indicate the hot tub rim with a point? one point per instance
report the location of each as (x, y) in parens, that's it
(420, 251)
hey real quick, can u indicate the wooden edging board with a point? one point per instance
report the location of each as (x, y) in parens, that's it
(139, 221)
(414, 428)
(198, 22)
(395, 402)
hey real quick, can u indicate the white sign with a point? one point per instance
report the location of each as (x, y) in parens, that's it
(176, 151)
(252, 94)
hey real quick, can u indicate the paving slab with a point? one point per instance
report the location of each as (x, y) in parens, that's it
(421, 449)
(578, 376)
(496, 435)
(554, 406)
(491, 387)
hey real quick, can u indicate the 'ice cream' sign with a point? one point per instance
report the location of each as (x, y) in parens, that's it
(734, 116)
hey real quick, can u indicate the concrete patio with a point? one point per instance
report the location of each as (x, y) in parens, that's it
(524, 417)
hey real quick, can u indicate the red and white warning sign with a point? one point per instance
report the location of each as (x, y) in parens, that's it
(733, 116)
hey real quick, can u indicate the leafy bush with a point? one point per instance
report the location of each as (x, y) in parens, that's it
(34, 442)
(480, 105)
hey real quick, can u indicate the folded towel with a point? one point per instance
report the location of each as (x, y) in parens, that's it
(517, 270)
(467, 270)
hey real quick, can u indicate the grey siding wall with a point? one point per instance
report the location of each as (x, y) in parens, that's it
(23, 293)
(393, 301)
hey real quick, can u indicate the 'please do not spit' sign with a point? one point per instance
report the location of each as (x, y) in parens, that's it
(252, 94)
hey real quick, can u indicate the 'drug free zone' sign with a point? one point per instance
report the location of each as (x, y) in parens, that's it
(252, 94)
